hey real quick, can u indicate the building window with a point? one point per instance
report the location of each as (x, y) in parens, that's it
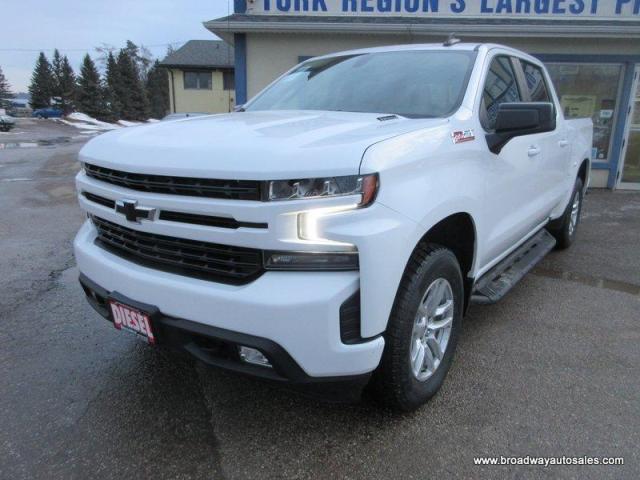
(197, 80)
(631, 170)
(228, 80)
(500, 87)
(535, 83)
(590, 90)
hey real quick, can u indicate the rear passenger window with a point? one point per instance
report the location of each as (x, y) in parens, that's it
(535, 83)
(500, 87)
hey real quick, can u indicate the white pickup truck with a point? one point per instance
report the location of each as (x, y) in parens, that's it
(336, 228)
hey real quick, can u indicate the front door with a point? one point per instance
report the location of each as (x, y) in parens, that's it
(513, 206)
(630, 174)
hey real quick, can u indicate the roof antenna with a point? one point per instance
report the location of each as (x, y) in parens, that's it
(451, 41)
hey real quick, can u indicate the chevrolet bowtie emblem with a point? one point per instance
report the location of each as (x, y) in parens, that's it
(133, 213)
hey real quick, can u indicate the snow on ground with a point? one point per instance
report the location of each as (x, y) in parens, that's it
(83, 117)
(127, 123)
(90, 125)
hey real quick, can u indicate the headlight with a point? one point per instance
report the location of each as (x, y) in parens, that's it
(365, 185)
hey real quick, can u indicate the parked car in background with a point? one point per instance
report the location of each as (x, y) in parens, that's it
(336, 230)
(19, 107)
(48, 112)
(6, 123)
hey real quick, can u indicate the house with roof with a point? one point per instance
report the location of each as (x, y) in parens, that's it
(201, 77)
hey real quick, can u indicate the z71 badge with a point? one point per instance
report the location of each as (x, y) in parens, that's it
(460, 136)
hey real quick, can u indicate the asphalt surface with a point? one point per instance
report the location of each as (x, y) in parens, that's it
(552, 370)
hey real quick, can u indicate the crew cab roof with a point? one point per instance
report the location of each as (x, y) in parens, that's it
(462, 46)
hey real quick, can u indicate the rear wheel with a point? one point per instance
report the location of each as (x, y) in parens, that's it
(565, 228)
(423, 329)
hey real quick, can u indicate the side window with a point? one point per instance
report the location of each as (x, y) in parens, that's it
(190, 80)
(500, 87)
(197, 80)
(535, 83)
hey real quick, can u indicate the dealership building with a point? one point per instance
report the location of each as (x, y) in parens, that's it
(591, 48)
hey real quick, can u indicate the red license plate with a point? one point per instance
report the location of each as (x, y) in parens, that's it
(132, 319)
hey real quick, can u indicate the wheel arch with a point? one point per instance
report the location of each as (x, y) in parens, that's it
(458, 233)
(584, 172)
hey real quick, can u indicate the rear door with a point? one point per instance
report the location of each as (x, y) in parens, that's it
(513, 184)
(555, 149)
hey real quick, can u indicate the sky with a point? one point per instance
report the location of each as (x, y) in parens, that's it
(75, 27)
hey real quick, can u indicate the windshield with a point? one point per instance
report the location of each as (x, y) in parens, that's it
(416, 83)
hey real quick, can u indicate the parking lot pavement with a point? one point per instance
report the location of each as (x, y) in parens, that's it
(33, 130)
(552, 370)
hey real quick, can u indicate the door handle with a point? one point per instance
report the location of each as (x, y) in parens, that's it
(533, 151)
(563, 143)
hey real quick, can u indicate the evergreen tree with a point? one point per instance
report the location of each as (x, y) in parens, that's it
(123, 85)
(56, 74)
(113, 89)
(42, 83)
(132, 95)
(67, 87)
(5, 91)
(64, 83)
(90, 94)
(158, 91)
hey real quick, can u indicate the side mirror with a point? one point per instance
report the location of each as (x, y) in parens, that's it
(517, 119)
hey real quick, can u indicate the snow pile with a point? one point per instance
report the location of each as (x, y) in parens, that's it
(89, 124)
(127, 123)
(83, 117)
(85, 122)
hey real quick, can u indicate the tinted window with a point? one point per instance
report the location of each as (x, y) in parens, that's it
(415, 83)
(535, 83)
(197, 80)
(500, 87)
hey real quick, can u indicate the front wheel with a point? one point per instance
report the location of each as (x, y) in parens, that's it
(423, 329)
(565, 228)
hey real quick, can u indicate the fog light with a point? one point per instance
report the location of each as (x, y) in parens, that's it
(302, 261)
(253, 356)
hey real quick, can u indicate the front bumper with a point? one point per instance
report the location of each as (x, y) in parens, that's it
(293, 315)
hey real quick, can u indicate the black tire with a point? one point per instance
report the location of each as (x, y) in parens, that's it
(394, 382)
(561, 228)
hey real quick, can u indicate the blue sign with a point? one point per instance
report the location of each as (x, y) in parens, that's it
(601, 9)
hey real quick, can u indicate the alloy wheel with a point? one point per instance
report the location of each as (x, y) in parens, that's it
(431, 329)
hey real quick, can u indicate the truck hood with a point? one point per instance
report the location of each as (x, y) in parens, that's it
(249, 145)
